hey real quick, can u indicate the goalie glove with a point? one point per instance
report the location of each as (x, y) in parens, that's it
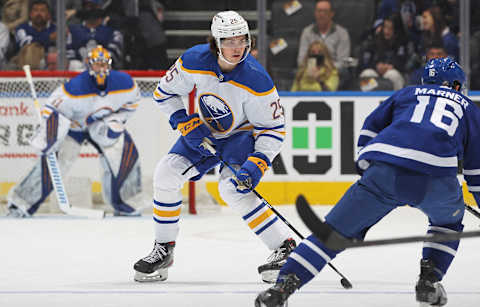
(192, 129)
(250, 173)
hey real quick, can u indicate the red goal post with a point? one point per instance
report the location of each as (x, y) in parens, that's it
(17, 121)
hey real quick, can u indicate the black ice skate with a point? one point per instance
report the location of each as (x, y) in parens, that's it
(277, 295)
(275, 261)
(155, 266)
(429, 291)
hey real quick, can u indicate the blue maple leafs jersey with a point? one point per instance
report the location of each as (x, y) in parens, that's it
(426, 128)
(26, 34)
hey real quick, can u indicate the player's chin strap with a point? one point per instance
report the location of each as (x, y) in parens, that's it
(207, 144)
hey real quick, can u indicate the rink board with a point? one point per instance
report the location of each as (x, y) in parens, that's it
(317, 157)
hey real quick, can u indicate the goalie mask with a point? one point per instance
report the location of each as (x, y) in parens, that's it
(99, 65)
(230, 24)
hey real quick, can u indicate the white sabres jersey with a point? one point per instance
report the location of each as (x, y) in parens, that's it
(244, 99)
(83, 103)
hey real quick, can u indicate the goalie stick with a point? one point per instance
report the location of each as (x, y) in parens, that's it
(206, 144)
(54, 170)
(335, 241)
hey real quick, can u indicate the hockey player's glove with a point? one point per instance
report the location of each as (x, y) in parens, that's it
(252, 170)
(193, 130)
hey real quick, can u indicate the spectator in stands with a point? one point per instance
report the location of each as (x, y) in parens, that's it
(433, 52)
(14, 13)
(435, 29)
(317, 72)
(152, 31)
(333, 35)
(370, 80)
(4, 42)
(384, 68)
(387, 41)
(36, 36)
(90, 33)
(52, 59)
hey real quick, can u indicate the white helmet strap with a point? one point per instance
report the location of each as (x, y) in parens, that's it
(222, 57)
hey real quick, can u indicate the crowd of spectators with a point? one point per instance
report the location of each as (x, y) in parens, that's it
(348, 45)
(384, 52)
(131, 30)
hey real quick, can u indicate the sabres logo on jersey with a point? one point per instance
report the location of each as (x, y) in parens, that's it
(216, 112)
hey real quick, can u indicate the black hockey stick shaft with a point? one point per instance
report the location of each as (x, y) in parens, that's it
(344, 281)
(472, 211)
(335, 241)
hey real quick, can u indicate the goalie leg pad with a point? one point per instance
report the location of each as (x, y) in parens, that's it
(121, 178)
(51, 133)
(37, 184)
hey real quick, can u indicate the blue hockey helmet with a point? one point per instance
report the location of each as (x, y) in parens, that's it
(444, 71)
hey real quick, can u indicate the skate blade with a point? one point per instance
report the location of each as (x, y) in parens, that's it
(259, 303)
(159, 275)
(270, 276)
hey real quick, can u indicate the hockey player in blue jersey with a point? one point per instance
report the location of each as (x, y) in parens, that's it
(94, 106)
(409, 148)
(239, 111)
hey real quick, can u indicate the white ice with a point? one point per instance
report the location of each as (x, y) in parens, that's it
(52, 261)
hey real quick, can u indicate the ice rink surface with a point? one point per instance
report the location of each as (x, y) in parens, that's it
(62, 261)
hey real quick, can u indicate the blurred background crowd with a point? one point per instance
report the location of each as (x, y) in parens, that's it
(312, 45)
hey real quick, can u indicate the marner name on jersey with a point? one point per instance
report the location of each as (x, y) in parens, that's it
(439, 92)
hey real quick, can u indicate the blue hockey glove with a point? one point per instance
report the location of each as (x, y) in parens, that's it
(193, 130)
(252, 170)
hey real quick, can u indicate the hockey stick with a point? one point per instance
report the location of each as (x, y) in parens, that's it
(335, 241)
(472, 211)
(54, 170)
(344, 281)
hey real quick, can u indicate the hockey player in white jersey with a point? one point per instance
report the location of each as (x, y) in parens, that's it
(92, 107)
(239, 112)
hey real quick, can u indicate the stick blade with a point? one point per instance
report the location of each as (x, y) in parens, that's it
(85, 212)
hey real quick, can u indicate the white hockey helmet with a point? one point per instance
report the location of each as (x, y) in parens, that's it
(229, 24)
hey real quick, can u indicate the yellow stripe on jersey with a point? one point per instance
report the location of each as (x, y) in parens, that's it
(130, 106)
(46, 112)
(95, 94)
(194, 71)
(264, 131)
(252, 91)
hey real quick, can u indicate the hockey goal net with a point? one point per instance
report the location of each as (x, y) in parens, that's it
(149, 129)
